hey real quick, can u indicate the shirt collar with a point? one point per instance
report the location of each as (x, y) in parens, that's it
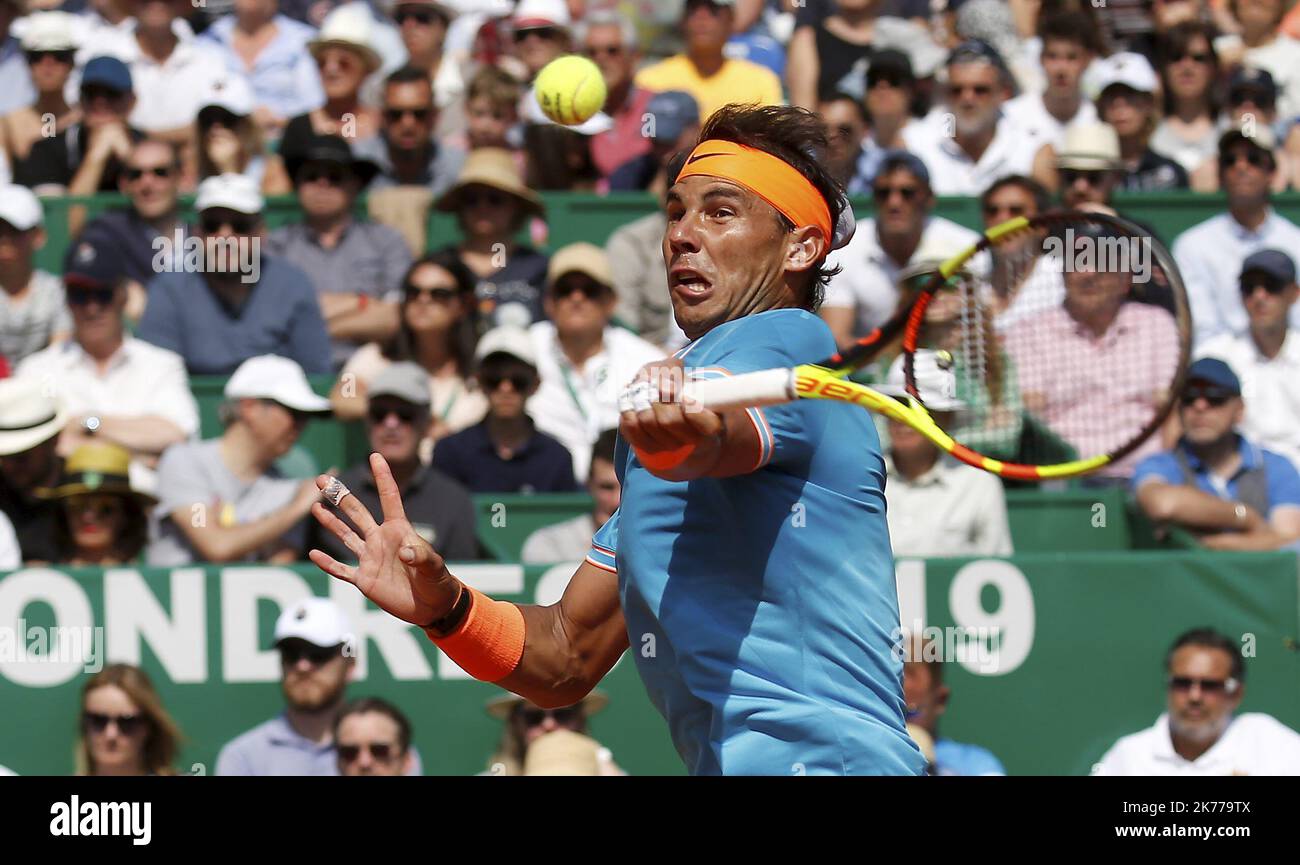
(487, 446)
(1250, 456)
(1241, 232)
(1163, 747)
(119, 357)
(281, 732)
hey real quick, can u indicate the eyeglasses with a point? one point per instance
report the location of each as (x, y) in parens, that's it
(605, 50)
(1215, 396)
(884, 193)
(100, 510)
(491, 199)
(382, 752)
(1255, 157)
(87, 296)
(91, 92)
(568, 715)
(1207, 686)
(332, 175)
(1254, 98)
(64, 57)
(160, 171)
(1198, 56)
(212, 223)
(519, 381)
(1007, 211)
(1272, 286)
(395, 115)
(317, 655)
(127, 725)
(889, 80)
(977, 89)
(379, 414)
(420, 16)
(550, 34)
(437, 295)
(1093, 178)
(588, 289)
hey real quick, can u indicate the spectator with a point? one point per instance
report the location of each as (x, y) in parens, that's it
(558, 159)
(540, 31)
(505, 453)
(16, 90)
(406, 151)
(49, 47)
(1261, 44)
(30, 420)
(845, 121)
(1068, 46)
(11, 553)
(927, 698)
(345, 57)
(927, 488)
(1252, 103)
(1125, 86)
(223, 500)
(890, 93)
(438, 508)
(101, 515)
(1210, 253)
(169, 73)
(243, 303)
(356, 267)
(864, 294)
(609, 39)
(1089, 167)
(1132, 346)
(1188, 131)
(423, 25)
(492, 203)
(88, 156)
(1200, 733)
(32, 312)
(703, 70)
(373, 737)
(117, 389)
(821, 55)
(492, 111)
(570, 540)
(1215, 482)
(526, 723)
(673, 121)
(230, 142)
(1021, 278)
(125, 730)
(271, 49)
(1267, 355)
(583, 360)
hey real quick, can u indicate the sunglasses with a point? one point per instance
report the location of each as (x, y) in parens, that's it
(87, 296)
(1215, 396)
(65, 57)
(1093, 178)
(395, 115)
(421, 16)
(238, 224)
(1008, 211)
(332, 176)
(1254, 157)
(292, 654)
(127, 725)
(977, 89)
(589, 290)
(1272, 286)
(1254, 98)
(382, 752)
(520, 382)
(874, 81)
(884, 193)
(491, 199)
(605, 50)
(160, 171)
(1198, 56)
(101, 510)
(1208, 686)
(91, 92)
(437, 295)
(568, 715)
(379, 414)
(548, 33)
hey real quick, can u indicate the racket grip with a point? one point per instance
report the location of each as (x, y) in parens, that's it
(747, 390)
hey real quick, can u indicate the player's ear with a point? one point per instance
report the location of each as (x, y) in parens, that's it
(804, 248)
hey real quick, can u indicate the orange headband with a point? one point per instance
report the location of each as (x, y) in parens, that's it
(770, 178)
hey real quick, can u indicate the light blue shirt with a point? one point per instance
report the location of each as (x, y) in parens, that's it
(276, 748)
(1282, 477)
(1210, 255)
(761, 609)
(284, 77)
(16, 88)
(958, 758)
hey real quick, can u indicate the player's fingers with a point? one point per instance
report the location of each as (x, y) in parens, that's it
(703, 421)
(340, 529)
(389, 497)
(340, 497)
(329, 565)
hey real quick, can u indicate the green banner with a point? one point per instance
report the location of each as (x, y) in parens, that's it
(1051, 657)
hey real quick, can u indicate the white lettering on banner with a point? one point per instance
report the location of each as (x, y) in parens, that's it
(133, 616)
(1012, 622)
(397, 641)
(551, 585)
(491, 580)
(72, 613)
(909, 575)
(241, 588)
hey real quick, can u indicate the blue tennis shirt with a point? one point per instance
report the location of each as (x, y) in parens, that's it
(761, 609)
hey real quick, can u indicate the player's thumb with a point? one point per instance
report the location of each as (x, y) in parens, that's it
(416, 552)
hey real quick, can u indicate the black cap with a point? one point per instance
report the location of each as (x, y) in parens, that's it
(1257, 81)
(890, 65)
(331, 149)
(90, 264)
(1272, 263)
(976, 49)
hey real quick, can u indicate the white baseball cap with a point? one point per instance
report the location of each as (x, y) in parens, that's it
(319, 621)
(514, 341)
(936, 383)
(231, 92)
(19, 207)
(1127, 67)
(275, 378)
(49, 31)
(541, 13)
(232, 191)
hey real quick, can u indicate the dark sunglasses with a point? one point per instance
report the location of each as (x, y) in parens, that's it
(382, 752)
(888, 79)
(238, 224)
(1198, 56)
(884, 193)
(1241, 97)
(589, 290)
(317, 655)
(127, 725)
(605, 50)
(1272, 286)
(1093, 178)
(86, 296)
(394, 115)
(333, 176)
(65, 57)
(568, 715)
(91, 92)
(1208, 686)
(160, 171)
(520, 382)
(491, 199)
(977, 89)
(422, 16)
(379, 414)
(437, 295)
(1008, 212)
(1254, 157)
(547, 33)
(1215, 396)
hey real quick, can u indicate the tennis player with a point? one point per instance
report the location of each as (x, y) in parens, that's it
(748, 567)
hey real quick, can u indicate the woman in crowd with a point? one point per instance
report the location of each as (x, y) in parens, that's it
(821, 55)
(229, 142)
(124, 728)
(438, 333)
(1189, 71)
(525, 723)
(50, 49)
(101, 518)
(559, 159)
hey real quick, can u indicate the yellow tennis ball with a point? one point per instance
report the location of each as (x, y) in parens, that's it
(570, 89)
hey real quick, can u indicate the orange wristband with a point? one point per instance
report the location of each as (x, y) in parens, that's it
(662, 461)
(489, 641)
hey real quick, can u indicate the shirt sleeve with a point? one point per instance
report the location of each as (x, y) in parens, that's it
(1159, 467)
(181, 483)
(1283, 481)
(604, 546)
(1198, 280)
(995, 530)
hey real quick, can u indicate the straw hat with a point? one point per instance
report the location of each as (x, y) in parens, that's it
(351, 27)
(494, 167)
(562, 753)
(501, 707)
(95, 468)
(29, 414)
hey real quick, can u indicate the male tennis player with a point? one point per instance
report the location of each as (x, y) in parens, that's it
(748, 566)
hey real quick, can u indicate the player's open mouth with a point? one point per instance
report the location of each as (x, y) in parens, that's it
(688, 283)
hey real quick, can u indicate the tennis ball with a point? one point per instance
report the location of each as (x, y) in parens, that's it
(570, 89)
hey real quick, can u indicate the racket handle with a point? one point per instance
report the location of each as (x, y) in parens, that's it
(747, 390)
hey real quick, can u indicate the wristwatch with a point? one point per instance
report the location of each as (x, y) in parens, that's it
(90, 425)
(1241, 512)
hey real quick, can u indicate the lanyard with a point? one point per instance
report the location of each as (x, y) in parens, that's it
(573, 391)
(451, 401)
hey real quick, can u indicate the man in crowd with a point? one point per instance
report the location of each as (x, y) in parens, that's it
(609, 39)
(1125, 85)
(1215, 482)
(397, 420)
(890, 92)
(423, 26)
(505, 452)
(355, 266)
(244, 303)
(1013, 196)
(170, 74)
(32, 311)
(864, 294)
(1068, 47)
(541, 32)
(30, 422)
(1210, 254)
(1088, 167)
(223, 500)
(927, 699)
(846, 124)
(570, 540)
(704, 70)
(373, 737)
(406, 150)
(671, 121)
(1200, 733)
(116, 388)
(583, 360)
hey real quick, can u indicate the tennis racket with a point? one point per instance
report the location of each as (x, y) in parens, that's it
(1069, 348)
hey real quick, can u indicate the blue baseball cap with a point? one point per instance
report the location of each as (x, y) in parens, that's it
(672, 111)
(92, 264)
(1271, 262)
(894, 159)
(1214, 371)
(107, 72)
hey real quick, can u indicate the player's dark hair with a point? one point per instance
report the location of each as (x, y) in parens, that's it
(1208, 638)
(603, 449)
(1042, 198)
(1072, 26)
(379, 707)
(795, 136)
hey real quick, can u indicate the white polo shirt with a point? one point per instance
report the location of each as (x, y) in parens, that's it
(1210, 254)
(1028, 112)
(952, 171)
(1253, 744)
(951, 510)
(169, 95)
(868, 280)
(575, 405)
(1270, 387)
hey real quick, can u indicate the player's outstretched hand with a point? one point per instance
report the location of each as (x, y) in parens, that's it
(397, 569)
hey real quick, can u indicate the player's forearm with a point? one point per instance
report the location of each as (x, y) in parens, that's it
(559, 668)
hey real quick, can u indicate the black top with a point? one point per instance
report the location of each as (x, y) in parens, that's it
(56, 160)
(1154, 173)
(542, 465)
(34, 523)
(836, 58)
(522, 281)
